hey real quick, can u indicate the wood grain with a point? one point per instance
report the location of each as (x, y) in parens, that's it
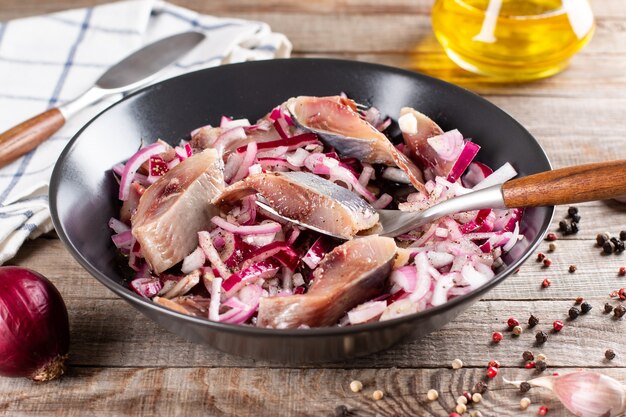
(124, 364)
(26, 136)
(589, 182)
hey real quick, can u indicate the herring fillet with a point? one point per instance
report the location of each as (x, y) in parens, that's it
(349, 275)
(338, 124)
(175, 207)
(307, 198)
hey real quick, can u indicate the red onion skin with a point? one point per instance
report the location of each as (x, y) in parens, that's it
(34, 326)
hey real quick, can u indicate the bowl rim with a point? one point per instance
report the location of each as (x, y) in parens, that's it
(131, 297)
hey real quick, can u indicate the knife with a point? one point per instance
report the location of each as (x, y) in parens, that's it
(134, 71)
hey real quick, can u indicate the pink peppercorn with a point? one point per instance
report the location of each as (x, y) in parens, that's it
(543, 410)
(529, 365)
(492, 372)
(496, 337)
(512, 322)
(557, 325)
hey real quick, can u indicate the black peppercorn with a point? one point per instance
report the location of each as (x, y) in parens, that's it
(602, 238)
(540, 366)
(573, 313)
(528, 356)
(608, 308)
(480, 388)
(562, 225)
(574, 227)
(576, 218)
(524, 387)
(572, 211)
(533, 321)
(609, 354)
(607, 247)
(342, 411)
(619, 246)
(622, 235)
(619, 311)
(585, 307)
(541, 337)
(572, 269)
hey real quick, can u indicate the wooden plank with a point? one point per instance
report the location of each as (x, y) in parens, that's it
(265, 392)
(101, 329)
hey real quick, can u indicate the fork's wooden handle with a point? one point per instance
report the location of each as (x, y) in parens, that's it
(20, 139)
(567, 185)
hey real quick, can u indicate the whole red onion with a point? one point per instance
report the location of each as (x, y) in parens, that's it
(34, 327)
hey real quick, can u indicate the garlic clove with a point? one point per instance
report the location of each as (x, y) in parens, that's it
(586, 394)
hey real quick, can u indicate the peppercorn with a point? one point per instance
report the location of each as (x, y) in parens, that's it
(432, 394)
(557, 325)
(541, 357)
(356, 386)
(476, 413)
(529, 365)
(607, 247)
(576, 218)
(543, 410)
(517, 330)
(563, 225)
(492, 372)
(622, 271)
(528, 356)
(480, 387)
(546, 283)
(621, 294)
(342, 411)
(533, 321)
(524, 403)
(572, 269)
(619, 246)
(457, 364)
(622, 235)
(512, 322)
(377, 395)
(541, 256)
(454, 415)
(547, 262)
(476, 398)
(579, 300)
(607, 308)
(602, 238)
(573, 313)
(524, 387)
(461, 408)
(541, 337)
(552, 247)
(461, 400)
(585, 307)
(619, 311)
(540, 366)
(496, 337)
(572, 211)
(574, 227)
(494, 363)
(609, 354)
(467, 396)
(551, 237)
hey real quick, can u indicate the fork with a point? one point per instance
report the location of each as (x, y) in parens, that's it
(569, 185)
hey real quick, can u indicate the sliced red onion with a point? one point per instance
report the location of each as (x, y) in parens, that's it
(298, 157)
(232, 166)
(366, 312)
(473, 225)
(317, 251)
(229, 136)
(134, 163)
(262, 229)
(118, 226)
(224, 120)
(227, 123)
(264, 269)
(278, 152)
(280, 251)
(183, 152)
(399, 308)
(463, 161)
(123, 240)
(476, 172)
(214, 305)
(499, 176)
(448, 145)
(443, 285)
(146, 287)
(396, 175)
(282, 128)
(366, 175)
(277, 164)
(248, 160)
(383, 201)
(291, 144)
(405, 278)
(204, 239)
(195, 260)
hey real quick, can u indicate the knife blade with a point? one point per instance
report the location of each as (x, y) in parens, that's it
(136, 70)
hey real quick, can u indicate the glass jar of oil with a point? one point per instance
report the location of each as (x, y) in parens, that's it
(513, 40)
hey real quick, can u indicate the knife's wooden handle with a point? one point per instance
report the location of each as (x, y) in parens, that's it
(567, 185)
(26, 136)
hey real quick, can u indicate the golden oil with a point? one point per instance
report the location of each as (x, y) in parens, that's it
(513, 40)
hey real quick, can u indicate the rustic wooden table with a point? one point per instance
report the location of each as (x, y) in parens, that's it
(124, 364)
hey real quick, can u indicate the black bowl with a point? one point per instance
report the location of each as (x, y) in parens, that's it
(83, 191)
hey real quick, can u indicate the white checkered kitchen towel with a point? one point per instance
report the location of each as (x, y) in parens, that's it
(47, 60)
